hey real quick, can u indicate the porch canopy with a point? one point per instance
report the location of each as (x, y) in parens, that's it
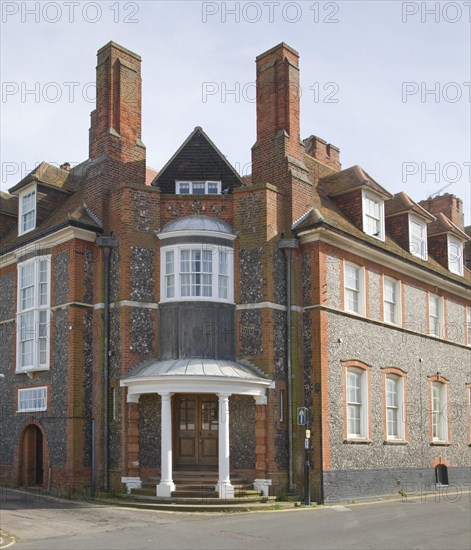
(216, 376)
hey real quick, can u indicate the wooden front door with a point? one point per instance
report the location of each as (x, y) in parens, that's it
(196, 430)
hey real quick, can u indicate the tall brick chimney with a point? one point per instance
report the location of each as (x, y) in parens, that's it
(116, 151)
(447, 204)
(277, 156)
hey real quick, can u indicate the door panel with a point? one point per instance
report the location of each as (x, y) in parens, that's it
(196, 430)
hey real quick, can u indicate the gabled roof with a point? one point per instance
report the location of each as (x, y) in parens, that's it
(402, 203)
(443, 225)
(351, 179)
(50, 176)
(8, 204)
(197, 159)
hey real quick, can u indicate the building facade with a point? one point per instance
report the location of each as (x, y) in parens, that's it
(174, 321)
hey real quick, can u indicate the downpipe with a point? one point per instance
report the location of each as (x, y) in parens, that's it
(288, 245)
(106, 244)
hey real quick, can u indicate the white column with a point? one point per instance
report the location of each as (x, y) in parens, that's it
(224, 486)
(166, 485)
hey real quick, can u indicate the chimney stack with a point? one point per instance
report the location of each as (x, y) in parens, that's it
(116, 151)
(277, 156)
(447, 204)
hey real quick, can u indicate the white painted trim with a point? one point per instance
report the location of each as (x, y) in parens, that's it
(31, 188)
(196, 233)
(380, 257)
(130, 303)
(131, 483)
(367, 194)
(195, 384)
(262, 485)
(54, 239)
(271, 305)
(215, 251)
(68, 304)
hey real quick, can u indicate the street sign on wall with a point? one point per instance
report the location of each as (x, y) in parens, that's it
(302, 416)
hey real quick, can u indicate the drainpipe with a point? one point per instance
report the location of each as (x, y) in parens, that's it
(288, 245)
(106, 244)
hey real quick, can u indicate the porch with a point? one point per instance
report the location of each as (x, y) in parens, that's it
(194, 415)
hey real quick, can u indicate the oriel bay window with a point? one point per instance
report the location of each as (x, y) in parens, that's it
(197, 272)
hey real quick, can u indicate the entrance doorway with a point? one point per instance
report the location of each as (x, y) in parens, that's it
(196, 430)
(32, 472)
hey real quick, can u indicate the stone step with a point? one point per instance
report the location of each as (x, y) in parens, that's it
(214, 501)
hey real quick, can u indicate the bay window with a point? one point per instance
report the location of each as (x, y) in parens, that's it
(197, 273)
(33, 314)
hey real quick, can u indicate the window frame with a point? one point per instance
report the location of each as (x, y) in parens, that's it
(30, 190)
(401, 419)
(373, 197)
(397, 303)
(191, 183)
(362, 405)
(216, 273)
(25, 391)
(442, 412)
(423, 253)
(468, 325)
(361, 288)
(439, 316)
(455, 259)
(35, 315)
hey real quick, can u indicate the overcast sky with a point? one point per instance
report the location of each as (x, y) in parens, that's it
(387, 82)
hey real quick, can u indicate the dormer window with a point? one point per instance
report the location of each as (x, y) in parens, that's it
(198, 187)
(27, 217)
(417, 237)
(455, 255)
(373, 215)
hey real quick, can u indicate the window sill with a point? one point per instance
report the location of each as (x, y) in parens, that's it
(439, 444)
(30, 371)
(395, 442)
(359, 441)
